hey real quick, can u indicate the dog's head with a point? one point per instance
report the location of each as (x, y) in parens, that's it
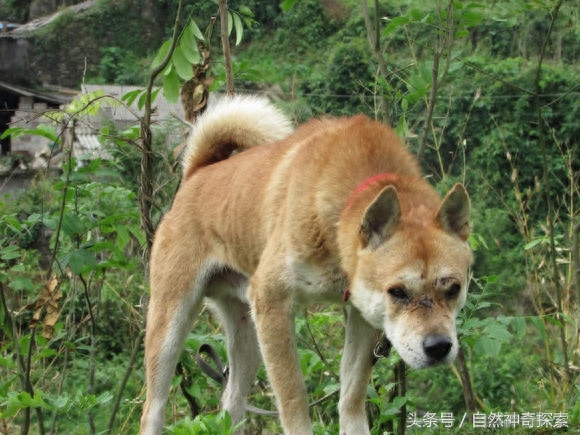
(411, 274)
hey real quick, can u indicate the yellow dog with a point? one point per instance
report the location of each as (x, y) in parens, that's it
(267, 220)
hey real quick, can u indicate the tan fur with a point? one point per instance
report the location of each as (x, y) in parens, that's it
(278, 226)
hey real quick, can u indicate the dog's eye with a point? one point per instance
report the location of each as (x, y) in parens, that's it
(453, 292)
(400, 294)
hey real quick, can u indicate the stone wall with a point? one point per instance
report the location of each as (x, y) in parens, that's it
(14, 61)
(27, 116)
(66, 47)
(40, 8)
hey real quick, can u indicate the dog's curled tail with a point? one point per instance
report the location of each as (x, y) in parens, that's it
(233, 124)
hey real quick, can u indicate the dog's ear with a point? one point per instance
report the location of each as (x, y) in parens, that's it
(453, 214)
(380, 218)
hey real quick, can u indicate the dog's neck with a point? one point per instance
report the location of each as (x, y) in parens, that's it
(368, 182)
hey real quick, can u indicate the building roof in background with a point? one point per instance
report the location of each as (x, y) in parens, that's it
(24, 30)
(9, 26)
(89, 147)
(54, 96)
(163, 110)
(87, 140)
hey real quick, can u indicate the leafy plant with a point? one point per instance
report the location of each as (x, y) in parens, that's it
(208, 424)
(185, 52)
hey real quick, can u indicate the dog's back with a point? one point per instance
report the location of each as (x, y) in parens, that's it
(314, 170)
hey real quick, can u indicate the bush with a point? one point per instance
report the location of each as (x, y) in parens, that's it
(343, 88)
(304, 27)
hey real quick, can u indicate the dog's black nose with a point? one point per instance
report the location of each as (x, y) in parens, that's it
(437, 346)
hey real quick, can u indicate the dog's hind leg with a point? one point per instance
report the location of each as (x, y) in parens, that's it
(355, 371)
(244, 356)
(175, 300)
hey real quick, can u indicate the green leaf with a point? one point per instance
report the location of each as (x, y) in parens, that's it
(533, 243)
(519, 326)
(131, 96)
(58, 402)
(43, 130)
(246, 11)
(471, 18)
(13, 223)
(161, 54)
(171, 86)
(13, 131)
(188, 46)
(239, 28)
(182, 66)
(154, 94)
(10, 253)
(17, 401)
(554, 321)
(104, 398)
(539, 324)
(143, 97)
(286, 5)
(131, 133)
(491, 279)
(395, 406)
(72, 225)
(81, 258)
(416, 14)
(21, 283)
(138, 234)
(395, 23)
(497, 331)
(195, 30)
(123, 236)
(488, 346)
(230, 23)
(461, 34)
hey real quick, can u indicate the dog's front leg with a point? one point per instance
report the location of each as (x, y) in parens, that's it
(274, 317)
(355, 371)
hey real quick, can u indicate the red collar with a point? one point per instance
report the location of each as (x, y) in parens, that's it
(385, 176)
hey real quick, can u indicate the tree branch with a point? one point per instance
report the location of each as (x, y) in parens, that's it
(147, 160)
(374, 39)
(548, 195)
(223, 8)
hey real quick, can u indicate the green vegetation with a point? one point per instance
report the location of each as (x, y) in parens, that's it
(485, 93)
